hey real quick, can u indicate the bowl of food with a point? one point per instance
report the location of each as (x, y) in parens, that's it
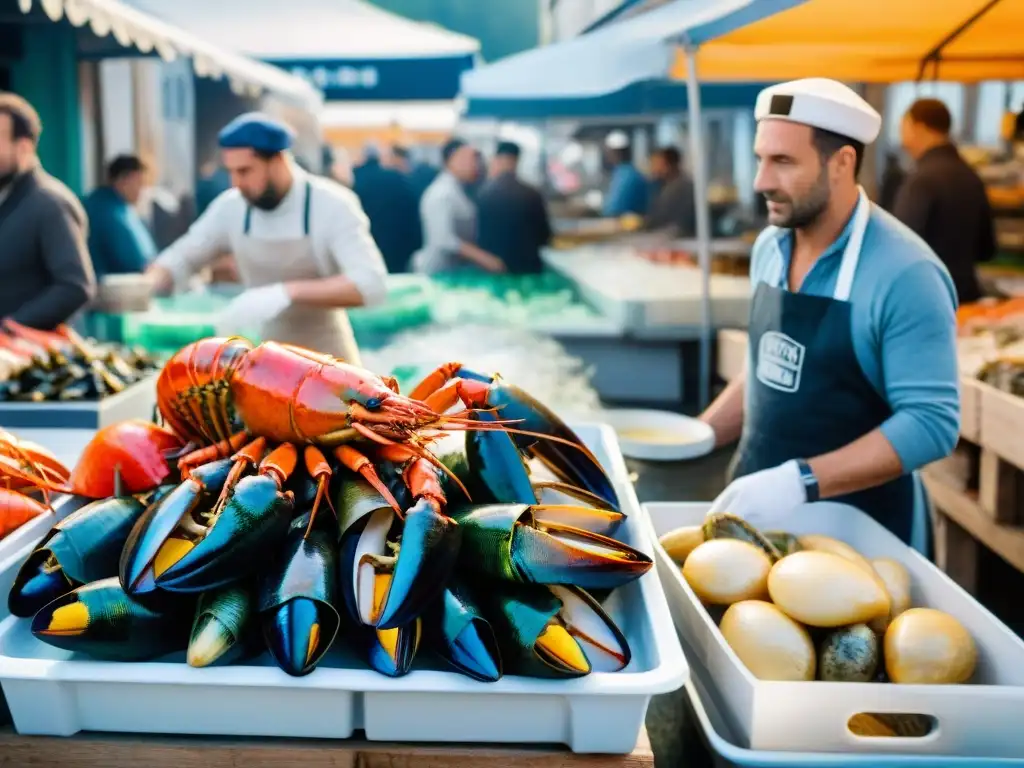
(659, 435)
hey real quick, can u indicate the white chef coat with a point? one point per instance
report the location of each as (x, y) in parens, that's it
(339, 233)
(448, 217)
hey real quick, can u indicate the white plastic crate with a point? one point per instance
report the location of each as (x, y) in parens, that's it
(53, 692)
(137, 401)
(981, 719)
(16, 546)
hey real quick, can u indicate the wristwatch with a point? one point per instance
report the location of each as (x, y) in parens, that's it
(809, 480)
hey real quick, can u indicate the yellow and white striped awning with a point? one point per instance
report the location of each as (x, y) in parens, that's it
(133, 28)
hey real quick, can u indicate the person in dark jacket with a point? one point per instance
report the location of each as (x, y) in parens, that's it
(672, 211)
(119, 241)
(893, 176)
(46, 274)
(943, 199)
(391, 205)
(512, 218)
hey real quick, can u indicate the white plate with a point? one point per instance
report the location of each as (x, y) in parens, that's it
(660, 435)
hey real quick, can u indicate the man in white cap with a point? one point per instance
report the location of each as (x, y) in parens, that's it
(628, 190)
(851, 383)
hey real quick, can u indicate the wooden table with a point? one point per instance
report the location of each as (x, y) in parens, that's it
(132, 751)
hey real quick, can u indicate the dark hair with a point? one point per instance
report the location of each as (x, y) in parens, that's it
(828, 143)
(509, 148)
(122, 165)
(450, 148)
(932, 114)
(670, 155)
(399, 151)
(25, 122)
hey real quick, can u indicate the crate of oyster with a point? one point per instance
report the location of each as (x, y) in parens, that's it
(538, 623)
(828, 634)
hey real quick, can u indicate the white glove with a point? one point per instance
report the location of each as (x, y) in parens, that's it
(763, 497)
(252, 309)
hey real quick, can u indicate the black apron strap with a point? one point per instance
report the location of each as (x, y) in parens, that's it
(305, 213)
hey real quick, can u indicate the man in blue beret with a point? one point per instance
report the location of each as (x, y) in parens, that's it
(301, 242)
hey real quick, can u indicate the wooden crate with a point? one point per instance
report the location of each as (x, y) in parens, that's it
(1002, 424)
(970, 407)
(978, 492)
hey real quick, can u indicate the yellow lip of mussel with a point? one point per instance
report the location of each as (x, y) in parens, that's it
(557, 647)
(68, 620)
(170, 552)
(372, 583)
(314, 643)
(597, 642)
(388, 639)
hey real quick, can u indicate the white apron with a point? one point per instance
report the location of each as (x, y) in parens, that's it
(265, 262)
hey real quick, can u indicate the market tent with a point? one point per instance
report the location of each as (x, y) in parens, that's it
(622, 53)
(350, 49)
(613, 56)
(116, 26)
(869, 41)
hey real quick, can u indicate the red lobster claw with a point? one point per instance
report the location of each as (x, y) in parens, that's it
(136, 449)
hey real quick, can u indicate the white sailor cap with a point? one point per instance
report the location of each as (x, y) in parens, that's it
(617, 140)
(820, 103)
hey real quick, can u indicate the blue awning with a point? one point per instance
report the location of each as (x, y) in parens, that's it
(363, 79)
(651, 97)
(349, 49)
(615, 56)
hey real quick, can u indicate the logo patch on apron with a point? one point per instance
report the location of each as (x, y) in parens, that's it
(779, 361)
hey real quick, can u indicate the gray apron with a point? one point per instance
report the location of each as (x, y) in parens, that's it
(265, 262)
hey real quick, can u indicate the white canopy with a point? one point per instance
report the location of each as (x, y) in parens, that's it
(310, 29)
(606, 60)
(130, 27)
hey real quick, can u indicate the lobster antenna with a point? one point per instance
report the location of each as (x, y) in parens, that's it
(32, 465)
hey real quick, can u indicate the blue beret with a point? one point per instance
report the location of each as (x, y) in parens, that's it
(257, 131)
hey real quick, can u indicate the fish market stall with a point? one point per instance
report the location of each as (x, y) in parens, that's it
(326, 592)
(653, 296)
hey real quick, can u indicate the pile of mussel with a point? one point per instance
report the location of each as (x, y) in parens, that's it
(271, 551)
(38, 366)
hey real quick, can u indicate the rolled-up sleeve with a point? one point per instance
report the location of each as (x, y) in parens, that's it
(353, 249)
(917, 333)
(205, 240)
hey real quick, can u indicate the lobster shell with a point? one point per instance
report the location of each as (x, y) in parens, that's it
(137, 449)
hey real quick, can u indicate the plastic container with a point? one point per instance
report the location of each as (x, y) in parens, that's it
(981, 719)
(705, 715)
(53, 692)
(17, 546)
(660, 435)
(135, 402)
